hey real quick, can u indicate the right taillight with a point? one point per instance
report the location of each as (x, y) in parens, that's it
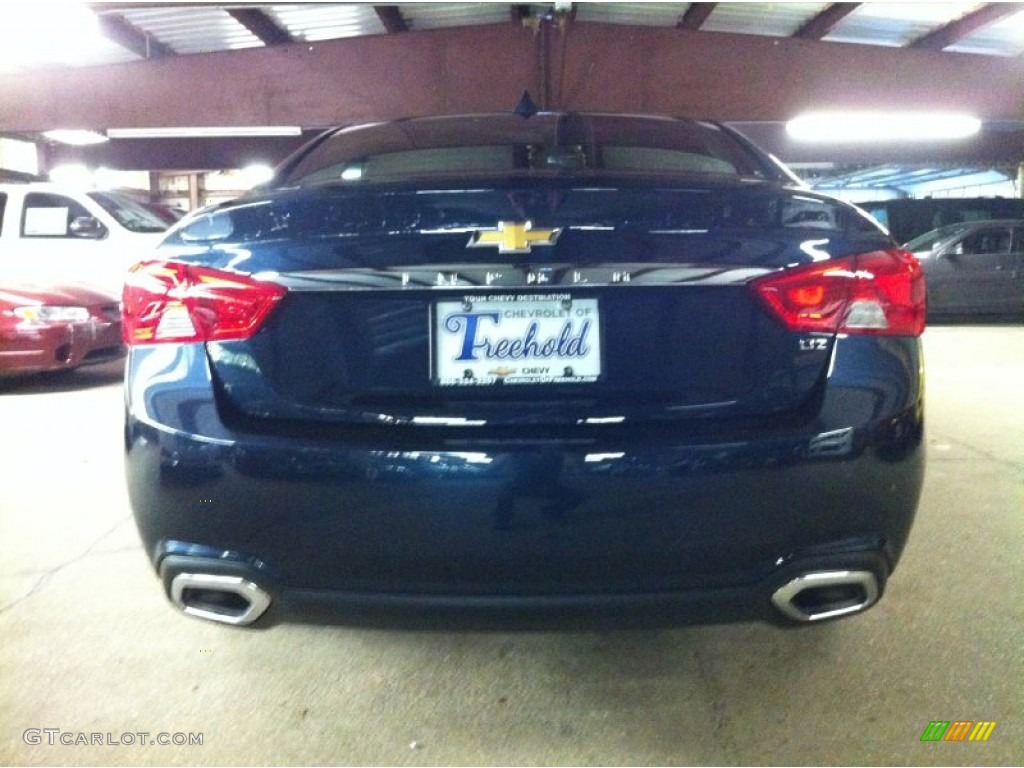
(168, 301)
(881, 292)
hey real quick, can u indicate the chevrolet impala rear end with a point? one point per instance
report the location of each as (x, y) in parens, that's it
(608, 365)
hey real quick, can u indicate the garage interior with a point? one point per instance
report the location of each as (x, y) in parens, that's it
(181, 99)
(186, 104)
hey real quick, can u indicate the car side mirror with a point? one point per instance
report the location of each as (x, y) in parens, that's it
(88, 227)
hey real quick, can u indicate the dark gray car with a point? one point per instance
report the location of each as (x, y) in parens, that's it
(974, 268)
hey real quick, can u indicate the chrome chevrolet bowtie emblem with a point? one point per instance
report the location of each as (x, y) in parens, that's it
(514, 237)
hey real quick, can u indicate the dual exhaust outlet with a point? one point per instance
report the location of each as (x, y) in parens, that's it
(227, 599)
(819, 595)
(812, 596)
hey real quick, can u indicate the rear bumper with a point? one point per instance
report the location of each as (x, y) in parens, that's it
(280, 604)
(662, 527)
(674, 534)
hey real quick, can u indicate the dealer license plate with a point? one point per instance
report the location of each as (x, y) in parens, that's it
(516, 339)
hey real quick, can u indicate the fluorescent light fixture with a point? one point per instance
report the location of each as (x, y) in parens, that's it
(204, 132)
(857, 127)
(75, 136)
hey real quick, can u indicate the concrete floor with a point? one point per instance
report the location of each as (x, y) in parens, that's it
(89, 645)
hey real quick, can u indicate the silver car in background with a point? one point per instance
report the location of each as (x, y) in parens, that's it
(974, 268)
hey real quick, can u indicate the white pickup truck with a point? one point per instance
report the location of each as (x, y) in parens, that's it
(55, 234)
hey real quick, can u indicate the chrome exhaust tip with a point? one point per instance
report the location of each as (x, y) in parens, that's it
(226, 599)
(826, 595)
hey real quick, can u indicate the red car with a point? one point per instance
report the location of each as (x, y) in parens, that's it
(48, 328)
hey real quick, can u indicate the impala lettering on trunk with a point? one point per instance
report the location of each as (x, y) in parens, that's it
(476, 344)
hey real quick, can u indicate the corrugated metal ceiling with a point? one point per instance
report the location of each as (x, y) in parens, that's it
(192, 30)
(896, 24)
(1004, 38)
(438, 15)
(326, 21)
(775, 19)
(643, 14)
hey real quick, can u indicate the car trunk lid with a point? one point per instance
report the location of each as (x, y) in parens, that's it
(552, 304)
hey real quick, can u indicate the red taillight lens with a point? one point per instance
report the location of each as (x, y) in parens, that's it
(166, 301)
(881, 292)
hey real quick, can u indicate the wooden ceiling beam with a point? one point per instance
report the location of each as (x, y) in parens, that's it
(130, 37)
(696, 15)
(261, 25)
(392, 19)
(820, 25)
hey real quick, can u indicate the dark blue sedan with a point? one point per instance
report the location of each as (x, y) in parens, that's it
(567, 363)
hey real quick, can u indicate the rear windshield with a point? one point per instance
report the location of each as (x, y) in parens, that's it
(511, 145)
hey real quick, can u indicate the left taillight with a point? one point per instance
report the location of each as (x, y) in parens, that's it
(877, 293)
(167, 301)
